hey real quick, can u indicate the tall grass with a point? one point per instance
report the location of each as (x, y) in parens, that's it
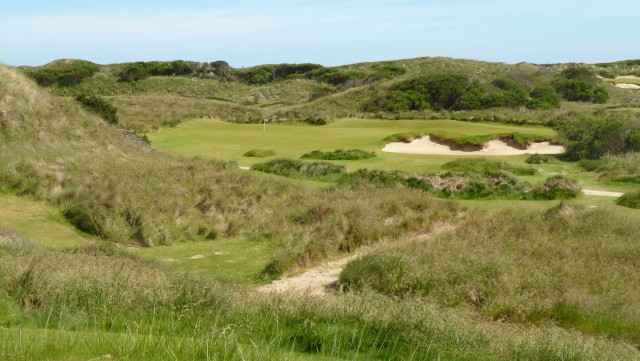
(573, 267)
(92, 303)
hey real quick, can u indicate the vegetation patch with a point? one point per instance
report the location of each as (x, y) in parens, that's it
(259, 153)
(339, 154)
(617, 168)
(631, 200)
(100, 106)
(297, 169)
(556, 187)
(521, 266)
(484, 166)
(63, 72)
(540, 159)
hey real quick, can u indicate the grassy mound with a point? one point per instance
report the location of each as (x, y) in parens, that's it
(540, 159)
(556, 187)
(351, 154)
(522, 267)
(259, 153)
(631, 200)
(483, 165)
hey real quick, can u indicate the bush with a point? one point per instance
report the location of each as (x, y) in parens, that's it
(592, 137)
(580, 84)
(556, 187)
(543, 97)
(631, 200)
(539, 159)
(99, 106)
(351, 154)
(259, 153)
(63, 72)
(134, 72)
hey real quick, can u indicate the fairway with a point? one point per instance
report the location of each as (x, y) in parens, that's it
(229, 141)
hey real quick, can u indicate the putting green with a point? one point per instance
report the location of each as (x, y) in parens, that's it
(229, 141)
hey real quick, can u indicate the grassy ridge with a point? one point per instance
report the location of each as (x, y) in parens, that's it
(571, 266)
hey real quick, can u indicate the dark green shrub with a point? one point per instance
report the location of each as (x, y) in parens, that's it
(351, 154)
(259, 153)
(134, 72)
(99, 106)
(539, 159)
(556, 187)
(631, 200)
(592, 137)
(543, 97)
(580, 84)
(63, 72)
(389, 70)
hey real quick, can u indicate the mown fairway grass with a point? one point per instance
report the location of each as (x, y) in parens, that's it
(39, 222)
(229, 141)
(228, 260)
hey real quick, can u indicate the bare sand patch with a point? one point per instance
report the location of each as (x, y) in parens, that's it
(628, 77)
(425, 145)
(593, 192)
(627, 86)
(198, 256)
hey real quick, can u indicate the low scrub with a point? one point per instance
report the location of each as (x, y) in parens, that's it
(522, 266)
(483, 166)
(631, 200)
(617, 168)
(100, 106)
(297, 169)
(540, 159)
(259, 153)
(63, 72)
(556, 187)
(351, 154)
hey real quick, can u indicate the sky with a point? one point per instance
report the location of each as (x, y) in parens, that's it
(329, 32)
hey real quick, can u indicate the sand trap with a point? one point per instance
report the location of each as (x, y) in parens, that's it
(425, 145)
(628, 77)
(627, 86)
(593, 192)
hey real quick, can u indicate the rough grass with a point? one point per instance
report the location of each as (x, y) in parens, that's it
(576, 268)
(483, 165)
(259, 153)
(631, 200)
(339, 154)
(618, 168)
(85, 304)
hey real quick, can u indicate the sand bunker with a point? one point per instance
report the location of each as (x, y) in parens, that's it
(628, 77)
(628, 86)
(425, 145)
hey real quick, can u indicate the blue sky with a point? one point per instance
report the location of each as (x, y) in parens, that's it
(329, 32)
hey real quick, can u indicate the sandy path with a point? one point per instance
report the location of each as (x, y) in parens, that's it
(593, 192)
(425, 145)
(320, 280)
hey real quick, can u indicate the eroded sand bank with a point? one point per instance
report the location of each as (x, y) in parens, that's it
(425, 145)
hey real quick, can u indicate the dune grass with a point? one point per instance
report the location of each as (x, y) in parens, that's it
(571, 266)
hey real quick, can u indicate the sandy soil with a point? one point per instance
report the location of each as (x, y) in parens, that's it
(425, 145)
(628, 86)
(319, 281)
(593, 192)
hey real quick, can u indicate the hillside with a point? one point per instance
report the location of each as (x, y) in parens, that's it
(156, 255)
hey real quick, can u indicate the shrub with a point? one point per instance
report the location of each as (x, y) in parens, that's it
(580, 84)
(556, 187)
(592, 137)
(543, 97)
(631, 200)
(259, 153)
(63, 72)
(99, 106)
(134, 72)
(539, 159)
(351, 154)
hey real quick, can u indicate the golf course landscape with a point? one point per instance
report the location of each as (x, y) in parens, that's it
(418, 209)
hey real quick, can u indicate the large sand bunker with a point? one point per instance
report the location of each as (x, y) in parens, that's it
(425, 145)
(628, 86)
